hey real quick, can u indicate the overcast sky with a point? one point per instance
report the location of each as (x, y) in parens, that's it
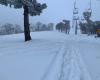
(57, 11)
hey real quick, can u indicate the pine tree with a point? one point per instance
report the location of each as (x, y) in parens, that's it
(31, 7)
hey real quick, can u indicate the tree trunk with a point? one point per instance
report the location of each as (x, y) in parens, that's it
(26, 24)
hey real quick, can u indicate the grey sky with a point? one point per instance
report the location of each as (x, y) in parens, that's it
(57, 10)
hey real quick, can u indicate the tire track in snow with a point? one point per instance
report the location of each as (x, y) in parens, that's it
(73, 67)
(51, 65)
(53, 70)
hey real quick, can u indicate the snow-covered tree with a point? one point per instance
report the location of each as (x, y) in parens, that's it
(32, 27)
(31, 7)
(63, 26)
(51, 26)
(44, 27)
(90, 23)
(7, 29)
(38, 26)
(17, 29)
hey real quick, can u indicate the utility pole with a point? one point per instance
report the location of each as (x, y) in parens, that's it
(75, 18)
(90, 7)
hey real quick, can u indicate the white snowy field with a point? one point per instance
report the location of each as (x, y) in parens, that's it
(49, 56)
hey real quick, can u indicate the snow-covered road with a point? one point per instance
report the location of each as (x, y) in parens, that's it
(49, 56)
(90, 53)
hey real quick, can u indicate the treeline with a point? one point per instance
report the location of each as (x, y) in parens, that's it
(41, 27)
(63, 26)
(9, 28)
(87, 25)
(90, 28)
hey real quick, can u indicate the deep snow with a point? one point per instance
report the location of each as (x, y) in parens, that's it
(50, 56)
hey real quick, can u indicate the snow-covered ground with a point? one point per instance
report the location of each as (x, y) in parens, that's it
(50, 56)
